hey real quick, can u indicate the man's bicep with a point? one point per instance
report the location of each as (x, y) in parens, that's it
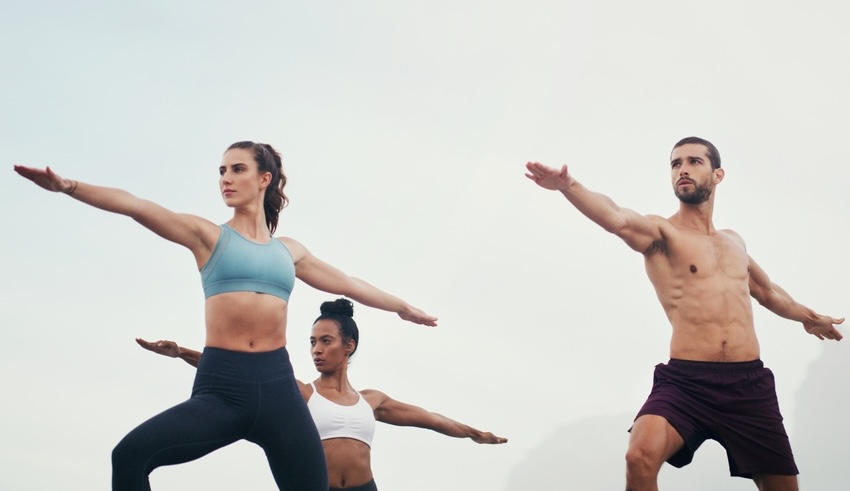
(760, 284)
(641, 232)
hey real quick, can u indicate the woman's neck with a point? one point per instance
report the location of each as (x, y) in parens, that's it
(250, 225)
(337, 380)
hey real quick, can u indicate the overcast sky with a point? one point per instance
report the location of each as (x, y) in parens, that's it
(404, 128)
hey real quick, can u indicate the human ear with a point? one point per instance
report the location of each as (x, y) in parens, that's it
(265, 179)
(718, 175)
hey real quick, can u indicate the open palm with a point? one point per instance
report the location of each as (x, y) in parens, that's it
(548, 177)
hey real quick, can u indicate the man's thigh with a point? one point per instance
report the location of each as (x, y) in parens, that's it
(653, 437)
(774, 482)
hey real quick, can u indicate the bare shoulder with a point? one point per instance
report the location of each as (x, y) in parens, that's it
(305, 389)
(198, 224)
(734, 236)
(208, 230)
(199, 221)
(374, 397)
(297, 250)
(289, 242)
(659, 220)
(665, 226)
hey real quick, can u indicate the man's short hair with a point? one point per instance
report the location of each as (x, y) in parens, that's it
(713, 154)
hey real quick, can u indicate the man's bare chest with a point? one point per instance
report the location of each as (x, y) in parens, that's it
(707, 256)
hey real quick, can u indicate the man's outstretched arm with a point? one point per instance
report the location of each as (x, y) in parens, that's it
(638, 231)
(774, 298)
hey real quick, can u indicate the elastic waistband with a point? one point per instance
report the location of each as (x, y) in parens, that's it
(246, 366)
(369, 486)
(716, 366)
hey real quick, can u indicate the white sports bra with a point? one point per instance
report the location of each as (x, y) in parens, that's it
(337, 421)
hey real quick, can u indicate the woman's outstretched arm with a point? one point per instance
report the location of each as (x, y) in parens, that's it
(388, 410)
(322, 276)
(195, 233)
(172, 350)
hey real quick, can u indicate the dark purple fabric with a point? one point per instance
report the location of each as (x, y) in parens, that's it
(732, 403)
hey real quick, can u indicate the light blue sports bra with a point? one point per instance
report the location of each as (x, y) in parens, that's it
(239, 265)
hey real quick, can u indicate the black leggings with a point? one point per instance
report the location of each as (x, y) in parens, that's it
(369, 486)
(236, 396)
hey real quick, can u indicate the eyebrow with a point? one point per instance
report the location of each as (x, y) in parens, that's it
(689, 157)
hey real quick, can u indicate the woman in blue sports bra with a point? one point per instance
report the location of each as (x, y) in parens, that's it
(345, 417)
(245, 374)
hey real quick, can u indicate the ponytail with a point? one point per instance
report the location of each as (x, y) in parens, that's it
(268, 160)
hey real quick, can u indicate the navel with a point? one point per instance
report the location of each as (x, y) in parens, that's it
(693, 268)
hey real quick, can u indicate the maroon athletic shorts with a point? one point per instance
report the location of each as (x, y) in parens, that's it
(732, 403)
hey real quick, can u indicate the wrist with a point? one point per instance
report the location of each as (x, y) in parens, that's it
(71, 186)
(569, 187)
(408, 312)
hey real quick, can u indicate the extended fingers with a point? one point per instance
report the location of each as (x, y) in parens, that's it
(534, 171)
(417, 316)
(499, 439)
(426, 321)
(491, 439)
(540, 173)
(26, 172)
(536, 168)
(831, 333)
(145, 344)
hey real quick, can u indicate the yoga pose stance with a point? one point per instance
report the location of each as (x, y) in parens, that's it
(244, 387)
(714, 386)
(345, 417)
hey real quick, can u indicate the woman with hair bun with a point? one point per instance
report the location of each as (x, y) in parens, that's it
(246, 372)
(345, 418)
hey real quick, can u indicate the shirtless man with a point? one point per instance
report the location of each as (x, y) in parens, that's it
(714, 385)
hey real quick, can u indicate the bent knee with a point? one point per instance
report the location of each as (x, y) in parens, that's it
(128, 470)
(122, 454)
(642, 459)
(127, 455)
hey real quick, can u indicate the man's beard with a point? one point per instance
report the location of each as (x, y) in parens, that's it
(700, 193)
